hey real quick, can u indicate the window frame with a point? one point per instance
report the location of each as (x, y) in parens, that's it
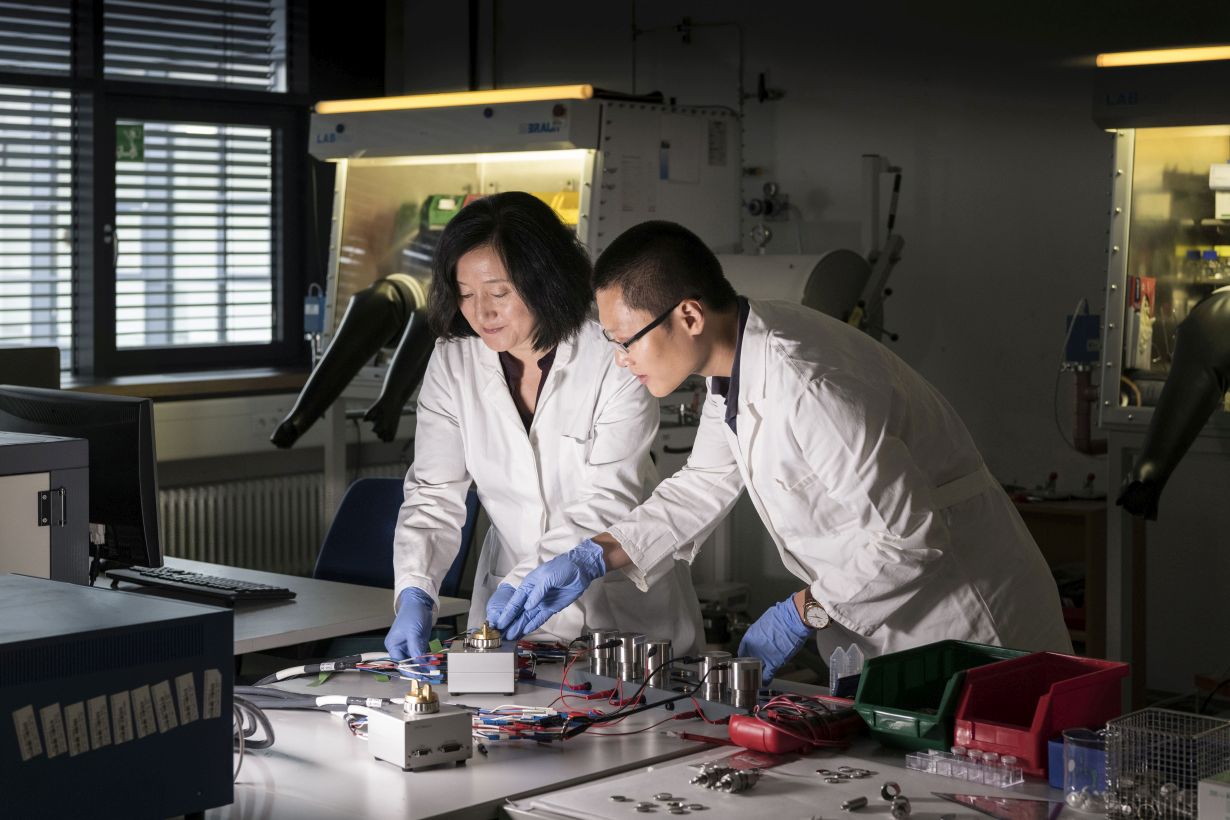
(286, 345)
(97, 103)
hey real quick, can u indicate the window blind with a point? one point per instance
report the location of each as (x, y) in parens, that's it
(36, 36)
(195, 236)
(35, 218)
(233, 43)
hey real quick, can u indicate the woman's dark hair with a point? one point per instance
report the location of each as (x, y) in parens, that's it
(549, 268)
(659, 264)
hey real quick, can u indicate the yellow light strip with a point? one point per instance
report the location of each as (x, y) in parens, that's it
(448, 99)
(1160, 56)
(563, 156)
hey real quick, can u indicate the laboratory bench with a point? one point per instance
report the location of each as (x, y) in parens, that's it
(317, 769)
(210, 384)
(319, 611)
(788, 791)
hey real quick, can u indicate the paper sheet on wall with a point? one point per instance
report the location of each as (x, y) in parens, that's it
(638, 190)
(684, 142)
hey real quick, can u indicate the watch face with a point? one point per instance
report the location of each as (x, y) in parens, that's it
(816, 617)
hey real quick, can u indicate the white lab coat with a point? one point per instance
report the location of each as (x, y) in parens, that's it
(584, 464)
(870, 486)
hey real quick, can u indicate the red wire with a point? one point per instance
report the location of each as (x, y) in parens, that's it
(591, 696)
(622, 702)
(563, 681)
(705, 718)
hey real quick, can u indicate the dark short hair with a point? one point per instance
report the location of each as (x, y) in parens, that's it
(548, 266)
(659, 264)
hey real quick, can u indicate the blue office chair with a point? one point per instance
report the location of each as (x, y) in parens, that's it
(358, 548)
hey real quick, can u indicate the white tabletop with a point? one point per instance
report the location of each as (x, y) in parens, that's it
(319, 610)
(791, 790)
(317, 769)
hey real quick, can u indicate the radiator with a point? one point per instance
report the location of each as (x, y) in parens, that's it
(272, 524)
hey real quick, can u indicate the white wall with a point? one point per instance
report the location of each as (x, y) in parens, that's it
(1004, 203)
(1005, 177)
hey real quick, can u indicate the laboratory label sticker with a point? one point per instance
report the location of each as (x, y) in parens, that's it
(78, 732)
(53, 730)
(213, 694)
(143, 709)
(121, 716)
(27, 733)
(164, 706)
(185, 687)
(76, 728)
(100, 722)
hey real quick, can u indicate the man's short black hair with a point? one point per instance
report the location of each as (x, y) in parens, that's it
(657, 265)
(549, 268)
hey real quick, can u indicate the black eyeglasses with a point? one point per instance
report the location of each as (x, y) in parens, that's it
(632, 339)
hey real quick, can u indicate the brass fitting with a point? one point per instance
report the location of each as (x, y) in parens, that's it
(485, 637)
(421, 700)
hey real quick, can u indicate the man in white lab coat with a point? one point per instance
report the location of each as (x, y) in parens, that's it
(522, 398)
(869, 483)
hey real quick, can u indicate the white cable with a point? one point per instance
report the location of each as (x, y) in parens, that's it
(1063, 357)
(798, 227)
(1063, 354)
(344, 700)
(286, 674)
(546, 711)
(238, 731)
(327, 666)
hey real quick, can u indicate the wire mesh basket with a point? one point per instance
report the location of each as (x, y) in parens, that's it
(1155, 759)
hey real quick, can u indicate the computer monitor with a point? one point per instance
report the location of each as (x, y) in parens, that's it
(123, 467)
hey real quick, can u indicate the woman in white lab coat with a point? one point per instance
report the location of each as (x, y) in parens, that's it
(864, 476)
(522, 398)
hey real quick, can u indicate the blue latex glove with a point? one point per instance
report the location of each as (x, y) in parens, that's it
(498, 600)
(775, 637)
(411, 629)
(549, 588)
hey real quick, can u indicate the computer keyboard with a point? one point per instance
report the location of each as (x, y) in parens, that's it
(194, 584)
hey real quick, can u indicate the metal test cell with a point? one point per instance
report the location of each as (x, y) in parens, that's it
(743, 681)
(630, 656)
(658, 652)
(602, 661)
(714, 681)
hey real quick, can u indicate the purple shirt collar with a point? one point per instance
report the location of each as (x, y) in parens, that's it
(512, 375)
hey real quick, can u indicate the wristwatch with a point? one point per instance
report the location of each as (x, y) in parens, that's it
(814, 614)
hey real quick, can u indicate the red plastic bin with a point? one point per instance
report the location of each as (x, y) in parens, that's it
(1014, 707)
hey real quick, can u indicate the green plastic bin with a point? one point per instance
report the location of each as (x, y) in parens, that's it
(909, 698)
